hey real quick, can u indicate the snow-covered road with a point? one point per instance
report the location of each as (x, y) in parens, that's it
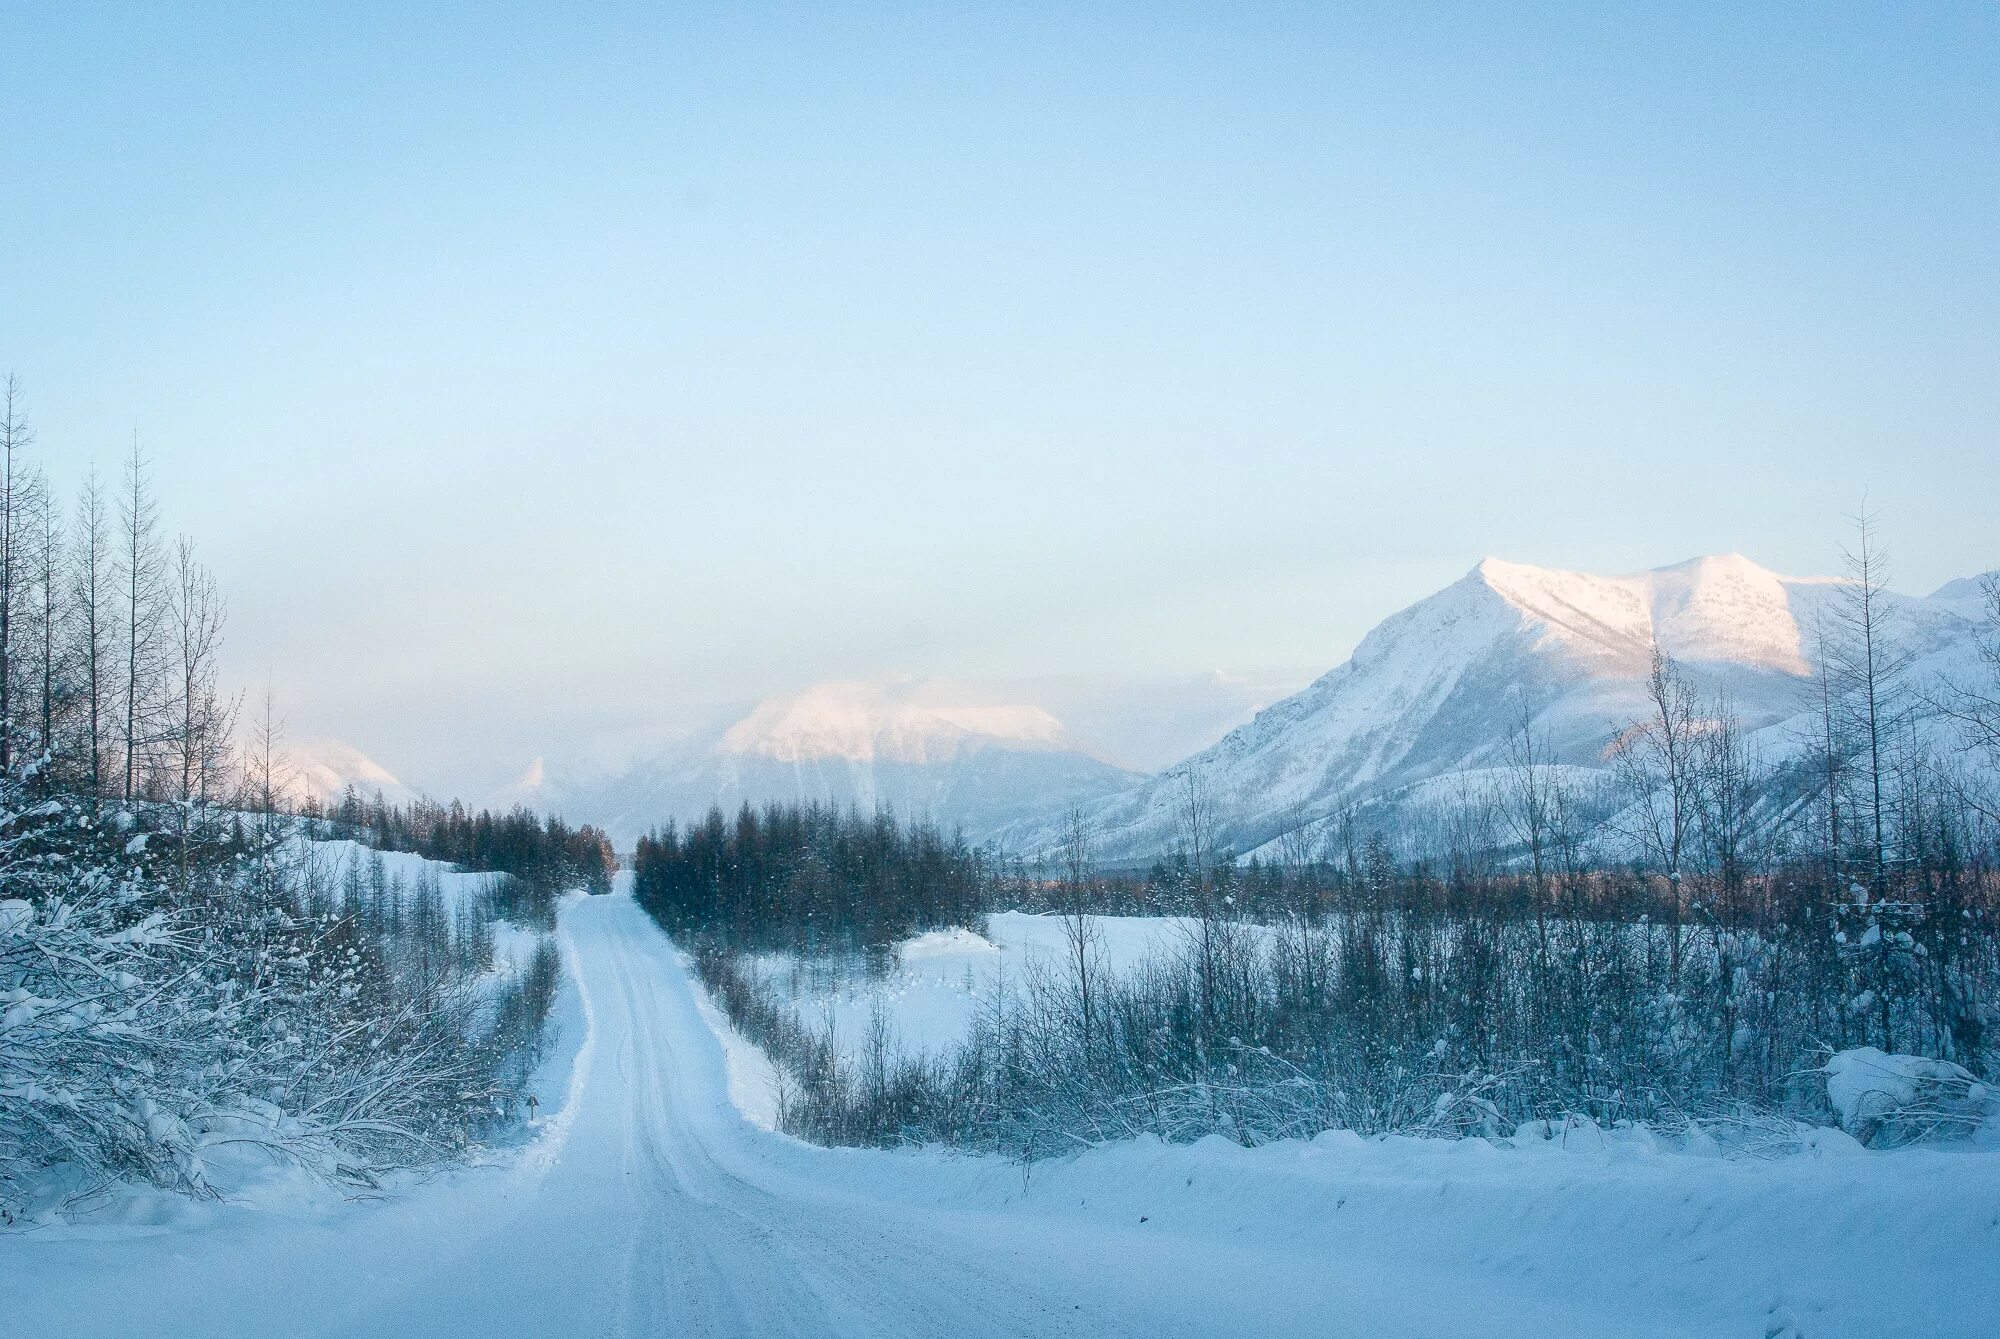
(655, 1215)
(651, 1207)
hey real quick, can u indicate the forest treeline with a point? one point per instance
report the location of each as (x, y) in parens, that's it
(179, 964)
(1684, 943)
(810, 878)
(540, 858)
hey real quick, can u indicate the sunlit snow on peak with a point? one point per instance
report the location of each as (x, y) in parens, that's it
(864, 722)
(1721, 607)
(323, 769)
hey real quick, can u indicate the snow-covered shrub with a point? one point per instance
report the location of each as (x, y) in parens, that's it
(109, 1038)
(1883, 1099)
(161, 997)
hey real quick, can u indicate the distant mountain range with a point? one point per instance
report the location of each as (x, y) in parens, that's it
(978, 767)
(1430, 695)
(1434, 691)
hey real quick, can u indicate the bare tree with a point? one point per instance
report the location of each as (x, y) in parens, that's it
(141, 574)
(266, 770)
(1830, 748)
(1464, 825)
(1308, 938)
(1975, 707)
(1658, 763)
(1535, 810)
(91, 622)
(202, 721)
(1080, 932)
(15, 436)
(1298, 844)
(201, 726)
(1194, 821)
(44, 571)
(1730, 780)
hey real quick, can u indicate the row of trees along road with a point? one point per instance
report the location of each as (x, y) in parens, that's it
(538, 858)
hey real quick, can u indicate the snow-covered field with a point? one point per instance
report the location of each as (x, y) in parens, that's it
(936, 983)
(649, 1205)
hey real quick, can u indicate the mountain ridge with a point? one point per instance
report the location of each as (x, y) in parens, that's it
(1435, 689)
(903, 745)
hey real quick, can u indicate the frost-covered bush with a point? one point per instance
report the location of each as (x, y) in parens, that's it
(1883, 1099)
(168, 985)
(109, 1029)
(108, 1042)
(1437, 1025)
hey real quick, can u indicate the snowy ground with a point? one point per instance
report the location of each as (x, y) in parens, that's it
(513, 945)
(337, 855)
(937, 982)
(649, 1205)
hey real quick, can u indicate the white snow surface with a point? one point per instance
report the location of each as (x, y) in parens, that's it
(939, 981)
(1866, 1085)
(649, 1205)
(456, 885)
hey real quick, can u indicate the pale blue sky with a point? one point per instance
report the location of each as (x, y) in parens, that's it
(508, 355)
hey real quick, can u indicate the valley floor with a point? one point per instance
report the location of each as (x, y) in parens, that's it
(649, 1206)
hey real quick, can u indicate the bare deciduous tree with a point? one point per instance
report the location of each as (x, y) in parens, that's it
(202, 720)
(1194, 822)
(141, 578)
(1080, 932)
(1975, 708)
(1535, 809)
(15, 436)
(45, 572)
(1657, 763)
(90, 611)
(1730, 780)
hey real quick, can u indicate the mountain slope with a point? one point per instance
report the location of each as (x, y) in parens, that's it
(323, 769)
(1436, 689)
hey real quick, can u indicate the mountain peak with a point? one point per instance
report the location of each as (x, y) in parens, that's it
(865, 722)
(1430, 692)
(1714, 607)
(323, 769)
(1718, 566)
(1970, 591)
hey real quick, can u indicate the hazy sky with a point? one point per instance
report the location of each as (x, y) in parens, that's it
(525, 365)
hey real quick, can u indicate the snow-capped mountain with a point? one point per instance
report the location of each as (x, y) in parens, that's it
(324, 768)
(1435, 690)
(865, 723)
(974, 766)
